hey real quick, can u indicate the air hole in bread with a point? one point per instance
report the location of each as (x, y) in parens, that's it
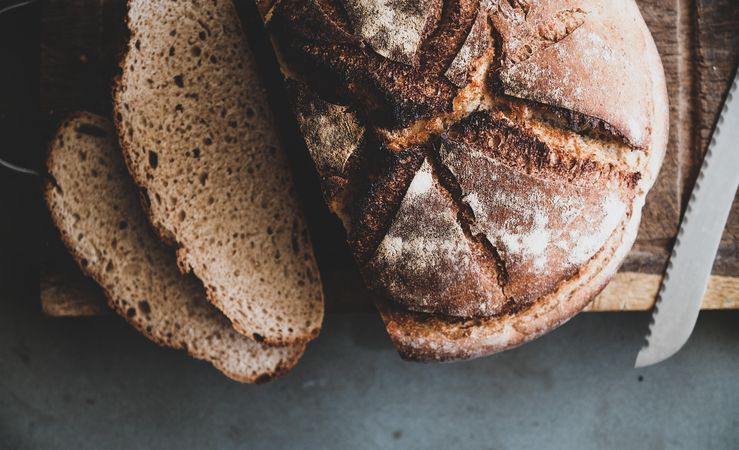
(153, 159)
(131, 312)
(179, 80)
(144, 307)
(182, 215)
(295, 243)
(90, 130)
(196, 51)
(203, 178)
(109, 266)
(122, 225)
(195, 153)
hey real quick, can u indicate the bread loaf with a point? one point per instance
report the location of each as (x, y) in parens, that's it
(498, 157)
(199, 139)
(95, 205)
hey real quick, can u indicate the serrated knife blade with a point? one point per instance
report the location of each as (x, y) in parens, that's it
(689, 269)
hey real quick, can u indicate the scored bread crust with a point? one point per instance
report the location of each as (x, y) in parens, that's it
(198, 137)
(426, 337)
(93, 202)
(561, 93)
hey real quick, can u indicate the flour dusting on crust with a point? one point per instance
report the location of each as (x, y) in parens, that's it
(331, 132)
(542, 229)
(393, 28)
(425, 261)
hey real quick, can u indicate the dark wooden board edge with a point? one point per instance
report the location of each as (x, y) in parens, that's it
(717, 53)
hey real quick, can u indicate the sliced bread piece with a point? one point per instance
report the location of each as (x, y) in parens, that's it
(199, 138)
(95, 205)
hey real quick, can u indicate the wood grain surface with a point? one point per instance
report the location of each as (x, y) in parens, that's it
(716, 57)
(697, 39)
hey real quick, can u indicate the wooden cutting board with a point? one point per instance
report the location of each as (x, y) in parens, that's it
(699, 44)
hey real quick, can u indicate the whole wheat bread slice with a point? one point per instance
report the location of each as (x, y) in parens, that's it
(95, 205)
(199, 138)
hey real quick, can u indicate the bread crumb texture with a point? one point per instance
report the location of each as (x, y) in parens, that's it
(94, 203)
(199, 138)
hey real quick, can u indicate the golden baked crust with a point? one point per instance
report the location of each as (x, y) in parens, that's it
(507, 151)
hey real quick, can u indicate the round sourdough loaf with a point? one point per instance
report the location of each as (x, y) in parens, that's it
(489, 159)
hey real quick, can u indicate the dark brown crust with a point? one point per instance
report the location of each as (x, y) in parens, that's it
(377, 207)
(363, 77)
(442, 46)
(340, 68)
(537, 63)
(429, 261)
(520, 149)
(426, 337)
(424, 106)
(589, 139)
(394, 39)
(475, 45)
(48, 188)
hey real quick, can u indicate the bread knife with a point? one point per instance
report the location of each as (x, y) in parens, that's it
(689, 268)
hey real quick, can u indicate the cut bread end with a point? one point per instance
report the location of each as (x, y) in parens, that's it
(95, 205)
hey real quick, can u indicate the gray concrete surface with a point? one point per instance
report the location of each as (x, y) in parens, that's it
(96, 384)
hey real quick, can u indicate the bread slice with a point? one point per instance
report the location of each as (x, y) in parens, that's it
(198, 137)
(95, 205)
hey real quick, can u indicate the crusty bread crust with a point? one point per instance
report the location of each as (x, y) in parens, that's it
(544, 122)
(173, 313)
(426, 337)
